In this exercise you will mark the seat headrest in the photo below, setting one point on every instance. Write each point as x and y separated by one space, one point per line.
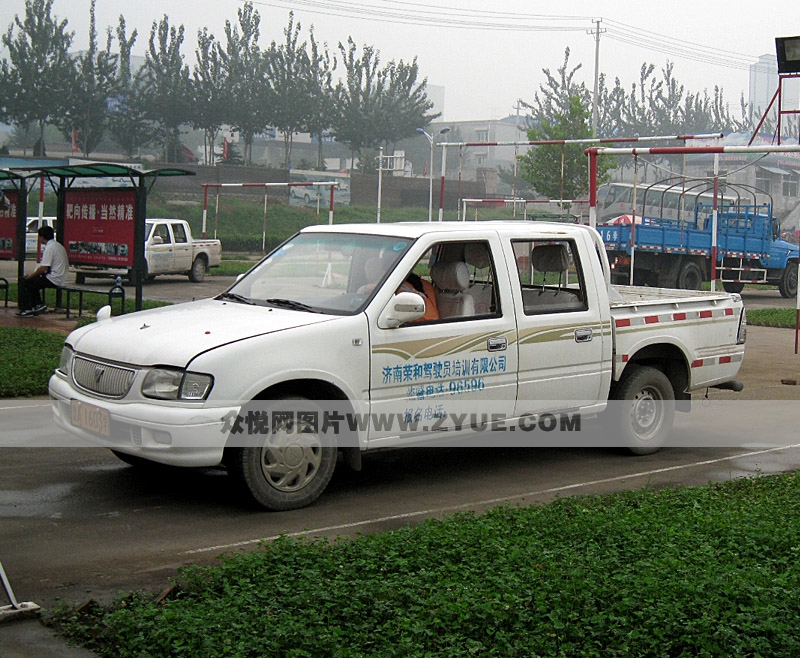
374 269
550 258
451 276
477 255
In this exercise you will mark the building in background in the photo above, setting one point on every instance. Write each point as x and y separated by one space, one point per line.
764 84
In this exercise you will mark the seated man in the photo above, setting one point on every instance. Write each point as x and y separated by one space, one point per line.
49 274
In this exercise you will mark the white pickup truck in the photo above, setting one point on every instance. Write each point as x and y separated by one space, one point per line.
169 249
324 348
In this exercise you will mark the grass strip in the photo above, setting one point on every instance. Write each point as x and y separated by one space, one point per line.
707 571
37 355
772 317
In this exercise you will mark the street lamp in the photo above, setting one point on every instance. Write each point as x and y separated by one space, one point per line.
430 139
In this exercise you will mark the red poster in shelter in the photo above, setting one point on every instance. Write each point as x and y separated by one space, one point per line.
99 226
8 223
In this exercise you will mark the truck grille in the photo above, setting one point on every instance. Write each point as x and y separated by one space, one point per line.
102 378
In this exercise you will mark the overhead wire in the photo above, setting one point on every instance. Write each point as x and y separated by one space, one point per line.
429 15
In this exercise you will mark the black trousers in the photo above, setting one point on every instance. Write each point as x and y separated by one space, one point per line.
30 289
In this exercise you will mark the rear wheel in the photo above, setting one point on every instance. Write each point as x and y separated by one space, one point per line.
198 272
290 465
643 409
788 283
690 277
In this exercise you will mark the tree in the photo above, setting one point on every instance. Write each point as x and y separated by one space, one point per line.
378 106
128 124
39 73
210 91
357 98
87 109
289 72
246 78
166 86
561 111
404 105
320 93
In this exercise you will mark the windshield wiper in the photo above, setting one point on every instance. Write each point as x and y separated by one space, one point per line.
291 304
236 297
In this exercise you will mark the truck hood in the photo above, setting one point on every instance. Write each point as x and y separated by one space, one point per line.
174 335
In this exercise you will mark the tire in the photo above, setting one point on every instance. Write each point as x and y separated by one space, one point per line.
787 286
198 272
643 409
291 465
690 276
733 286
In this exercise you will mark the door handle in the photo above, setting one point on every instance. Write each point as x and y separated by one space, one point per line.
583 335
497 344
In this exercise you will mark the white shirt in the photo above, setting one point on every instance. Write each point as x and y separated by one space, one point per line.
55 258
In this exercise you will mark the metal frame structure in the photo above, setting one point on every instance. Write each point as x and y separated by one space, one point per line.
594 152
557 142
330 184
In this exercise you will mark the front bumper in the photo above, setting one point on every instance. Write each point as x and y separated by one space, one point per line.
179 434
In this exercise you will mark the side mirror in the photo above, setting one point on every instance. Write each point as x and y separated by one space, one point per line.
402 307
157 239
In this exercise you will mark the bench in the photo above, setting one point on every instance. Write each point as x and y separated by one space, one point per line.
114 292
4 286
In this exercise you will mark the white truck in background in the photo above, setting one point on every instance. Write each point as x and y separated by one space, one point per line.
325 330
169 249
32 233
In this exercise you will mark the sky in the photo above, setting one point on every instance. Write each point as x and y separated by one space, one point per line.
488 59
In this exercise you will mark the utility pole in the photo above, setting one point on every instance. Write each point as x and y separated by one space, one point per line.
595 112
516 160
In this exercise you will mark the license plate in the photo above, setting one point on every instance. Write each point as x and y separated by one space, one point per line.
91 418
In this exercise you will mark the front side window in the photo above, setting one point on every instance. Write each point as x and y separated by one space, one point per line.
549 276
457 281
161 231
321 273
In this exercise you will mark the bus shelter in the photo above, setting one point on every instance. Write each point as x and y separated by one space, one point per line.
101 209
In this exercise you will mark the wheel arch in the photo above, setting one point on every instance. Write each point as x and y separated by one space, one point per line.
669 358
318 390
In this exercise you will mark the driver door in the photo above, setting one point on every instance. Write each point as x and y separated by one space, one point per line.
455 372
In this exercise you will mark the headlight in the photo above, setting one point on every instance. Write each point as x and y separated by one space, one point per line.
65 363
168 384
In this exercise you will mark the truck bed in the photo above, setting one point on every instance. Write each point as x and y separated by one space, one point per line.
621 296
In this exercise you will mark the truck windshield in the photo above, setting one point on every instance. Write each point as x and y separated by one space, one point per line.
332 273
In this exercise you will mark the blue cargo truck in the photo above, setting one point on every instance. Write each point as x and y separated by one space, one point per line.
676 252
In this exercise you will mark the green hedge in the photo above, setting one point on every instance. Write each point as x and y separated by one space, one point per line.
709 571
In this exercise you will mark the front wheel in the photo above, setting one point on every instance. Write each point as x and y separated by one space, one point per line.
643 409
290 465
198 272
787 286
